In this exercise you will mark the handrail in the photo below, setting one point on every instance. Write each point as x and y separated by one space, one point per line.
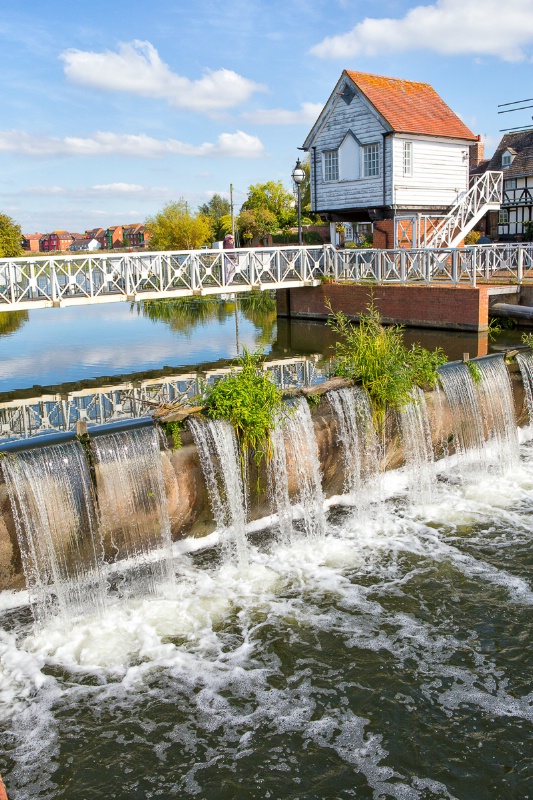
486 190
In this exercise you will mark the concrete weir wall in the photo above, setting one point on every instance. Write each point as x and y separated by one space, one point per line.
186 491
450 307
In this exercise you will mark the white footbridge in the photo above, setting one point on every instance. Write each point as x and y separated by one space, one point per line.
66 280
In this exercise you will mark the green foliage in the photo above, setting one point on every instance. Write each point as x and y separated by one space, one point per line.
474 371
313 237
528 231
251 402
313 400
273 197
176 228
495 327
258 221
10 238
218 210
472 237
173 429
376 357
527 339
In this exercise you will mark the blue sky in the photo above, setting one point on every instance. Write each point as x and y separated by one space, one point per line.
111 109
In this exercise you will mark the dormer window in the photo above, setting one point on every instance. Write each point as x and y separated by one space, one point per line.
507 158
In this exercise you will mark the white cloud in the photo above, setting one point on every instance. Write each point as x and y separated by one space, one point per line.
119 188
101 143
307 115
138 69
449 27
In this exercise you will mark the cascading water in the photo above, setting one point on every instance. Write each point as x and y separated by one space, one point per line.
465 414
497 406
418 448
279 482
303 467
525 362
220 459
482 413
360 447
133 509
57 529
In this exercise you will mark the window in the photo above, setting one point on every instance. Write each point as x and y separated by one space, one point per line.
370 160
331 165
407 158
507 159
511 184
503 217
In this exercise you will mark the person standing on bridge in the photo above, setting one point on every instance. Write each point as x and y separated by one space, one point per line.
230 261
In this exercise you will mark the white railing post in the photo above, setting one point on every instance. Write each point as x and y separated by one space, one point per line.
520 264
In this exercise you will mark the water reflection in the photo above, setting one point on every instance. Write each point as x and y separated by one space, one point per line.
11 321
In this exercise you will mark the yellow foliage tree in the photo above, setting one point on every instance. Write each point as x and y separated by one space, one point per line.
175 227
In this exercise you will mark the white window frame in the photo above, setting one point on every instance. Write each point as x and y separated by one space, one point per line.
371 160
503 216
509 184
507 159
408 159
331 165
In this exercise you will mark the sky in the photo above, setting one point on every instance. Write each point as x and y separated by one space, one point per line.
111 109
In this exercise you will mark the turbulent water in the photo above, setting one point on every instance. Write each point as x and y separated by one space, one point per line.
387 658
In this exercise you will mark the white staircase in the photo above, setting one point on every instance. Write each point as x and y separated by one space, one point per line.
484 195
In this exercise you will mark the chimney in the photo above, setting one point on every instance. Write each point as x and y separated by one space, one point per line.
477 152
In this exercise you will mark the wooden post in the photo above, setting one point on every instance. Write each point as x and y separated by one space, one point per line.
81 430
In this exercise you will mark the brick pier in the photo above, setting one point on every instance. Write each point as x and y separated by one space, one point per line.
449 307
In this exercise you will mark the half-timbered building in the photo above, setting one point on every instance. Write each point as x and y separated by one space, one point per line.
388 151
514 156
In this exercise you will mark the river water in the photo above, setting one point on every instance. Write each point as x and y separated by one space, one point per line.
388 657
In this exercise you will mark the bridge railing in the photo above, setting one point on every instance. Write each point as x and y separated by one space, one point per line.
70 279
67 280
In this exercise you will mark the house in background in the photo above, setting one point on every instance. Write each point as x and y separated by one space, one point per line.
114 237
514 157
391 152
56 241
30 242
98 234
133 235
85 244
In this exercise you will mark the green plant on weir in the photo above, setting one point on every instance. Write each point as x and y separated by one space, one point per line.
251 402
376 357
495 327
173 429
474 371
527 339
313 399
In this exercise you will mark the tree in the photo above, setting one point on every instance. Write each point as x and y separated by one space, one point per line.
305 193
176 228
218 210
256 222
273 197
10 238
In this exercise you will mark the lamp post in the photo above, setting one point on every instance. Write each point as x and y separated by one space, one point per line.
298 176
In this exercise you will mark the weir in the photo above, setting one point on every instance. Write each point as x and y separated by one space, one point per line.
94 524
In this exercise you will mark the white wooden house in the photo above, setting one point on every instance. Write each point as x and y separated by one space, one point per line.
391 152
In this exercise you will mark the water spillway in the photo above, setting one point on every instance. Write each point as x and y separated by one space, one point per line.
372 648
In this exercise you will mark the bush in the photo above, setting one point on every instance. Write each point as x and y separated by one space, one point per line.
251 402
313 237
375 357
472 237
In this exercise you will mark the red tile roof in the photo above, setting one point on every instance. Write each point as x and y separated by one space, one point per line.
410 106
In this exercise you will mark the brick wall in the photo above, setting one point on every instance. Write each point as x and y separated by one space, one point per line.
461 308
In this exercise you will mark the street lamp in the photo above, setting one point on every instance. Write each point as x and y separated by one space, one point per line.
298 176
